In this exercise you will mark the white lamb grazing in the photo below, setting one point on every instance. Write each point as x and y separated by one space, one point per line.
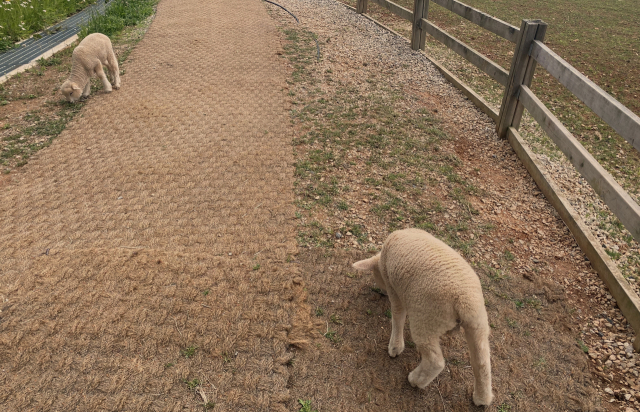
427 280
88 58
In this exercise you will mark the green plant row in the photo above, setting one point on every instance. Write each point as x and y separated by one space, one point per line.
118 15
19 19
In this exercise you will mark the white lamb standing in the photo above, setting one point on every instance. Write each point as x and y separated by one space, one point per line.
427 280
88 58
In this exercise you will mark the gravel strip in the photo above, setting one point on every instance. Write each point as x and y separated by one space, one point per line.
613 237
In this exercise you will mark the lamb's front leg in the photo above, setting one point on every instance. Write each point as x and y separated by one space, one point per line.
87 89
398 316
105 82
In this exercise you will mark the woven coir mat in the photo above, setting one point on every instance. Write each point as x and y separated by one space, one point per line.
146 255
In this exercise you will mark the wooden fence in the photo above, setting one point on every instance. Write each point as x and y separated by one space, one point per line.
529 51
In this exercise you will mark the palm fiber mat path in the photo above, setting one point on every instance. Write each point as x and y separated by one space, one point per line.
144 253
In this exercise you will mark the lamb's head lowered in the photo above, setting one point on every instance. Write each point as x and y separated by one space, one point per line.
71 91
373 264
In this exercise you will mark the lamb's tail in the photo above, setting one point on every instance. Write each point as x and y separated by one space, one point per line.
477 335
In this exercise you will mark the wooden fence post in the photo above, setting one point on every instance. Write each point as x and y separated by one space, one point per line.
362 6
419 35
521 73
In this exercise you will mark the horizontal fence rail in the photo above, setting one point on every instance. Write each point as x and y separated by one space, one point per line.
494 25
492 69
619 201
621 119
471 95
395 9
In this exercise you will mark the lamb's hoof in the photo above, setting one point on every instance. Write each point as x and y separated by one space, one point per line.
108 90
117 87
481 400
413 380
396 350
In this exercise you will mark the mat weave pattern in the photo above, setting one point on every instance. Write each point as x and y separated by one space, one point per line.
139 231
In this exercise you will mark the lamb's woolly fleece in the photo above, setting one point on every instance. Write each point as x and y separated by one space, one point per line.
88 58
432 284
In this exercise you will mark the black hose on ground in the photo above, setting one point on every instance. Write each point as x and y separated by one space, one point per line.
297 21
276 4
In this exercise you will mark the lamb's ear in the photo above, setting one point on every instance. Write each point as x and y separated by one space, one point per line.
75 87
367 264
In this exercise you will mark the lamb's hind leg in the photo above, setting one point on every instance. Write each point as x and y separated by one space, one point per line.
398 316
431 365
103 77
478 341
114 69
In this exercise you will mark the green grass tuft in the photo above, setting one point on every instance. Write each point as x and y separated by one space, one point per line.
118 15
189 352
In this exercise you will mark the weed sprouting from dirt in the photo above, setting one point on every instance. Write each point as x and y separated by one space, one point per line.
540 363
52 61
305 406
189 352
504 407
509 256
582 346
332 336
192 384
